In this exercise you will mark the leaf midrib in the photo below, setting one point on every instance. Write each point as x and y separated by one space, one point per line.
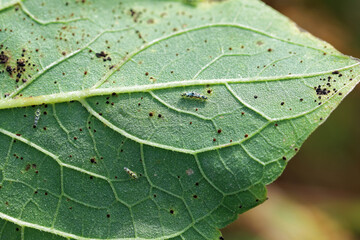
91 92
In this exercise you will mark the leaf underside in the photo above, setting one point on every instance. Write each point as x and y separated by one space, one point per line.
107 77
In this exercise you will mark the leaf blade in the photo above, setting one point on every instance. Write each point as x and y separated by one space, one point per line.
199 163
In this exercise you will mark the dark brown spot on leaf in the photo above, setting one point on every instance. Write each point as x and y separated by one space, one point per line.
3 58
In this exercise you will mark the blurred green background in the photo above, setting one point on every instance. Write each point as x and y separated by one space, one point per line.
318 195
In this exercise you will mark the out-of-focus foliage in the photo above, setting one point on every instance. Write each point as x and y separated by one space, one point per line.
284 218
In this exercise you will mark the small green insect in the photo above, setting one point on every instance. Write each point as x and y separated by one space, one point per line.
194 95
37 117
131 173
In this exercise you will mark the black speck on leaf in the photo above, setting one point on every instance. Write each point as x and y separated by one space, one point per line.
20 62
101 54
3 58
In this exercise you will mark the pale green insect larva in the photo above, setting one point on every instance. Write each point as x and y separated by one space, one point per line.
131 173
37 117
194 95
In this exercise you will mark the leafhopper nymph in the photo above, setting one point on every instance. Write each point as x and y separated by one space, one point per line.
37 117
194 95
131 173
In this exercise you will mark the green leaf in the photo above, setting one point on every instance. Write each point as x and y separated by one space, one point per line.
107 78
